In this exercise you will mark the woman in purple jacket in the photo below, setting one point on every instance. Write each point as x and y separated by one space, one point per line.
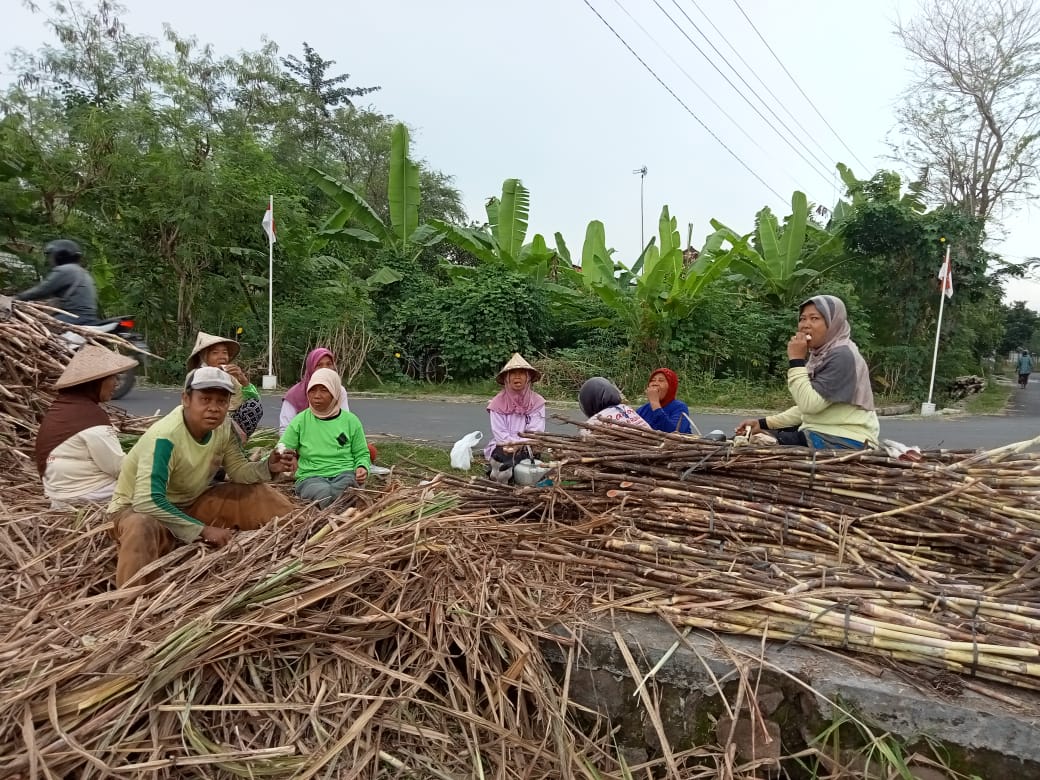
516 408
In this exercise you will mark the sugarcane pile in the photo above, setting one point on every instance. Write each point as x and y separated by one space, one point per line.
936 562
33 353
401 639
404 637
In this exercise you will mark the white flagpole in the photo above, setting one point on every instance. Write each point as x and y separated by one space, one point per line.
938 327
270 296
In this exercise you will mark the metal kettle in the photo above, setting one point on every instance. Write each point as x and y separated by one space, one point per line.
529 472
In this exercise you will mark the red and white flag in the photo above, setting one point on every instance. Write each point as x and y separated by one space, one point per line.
946 278
268 223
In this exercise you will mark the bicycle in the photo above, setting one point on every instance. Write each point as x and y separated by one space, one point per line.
428 368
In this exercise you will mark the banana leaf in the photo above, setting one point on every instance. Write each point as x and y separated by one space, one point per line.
491 206
793 237
352 204
403 193
383 276
353 234
512 217
476 242
561 248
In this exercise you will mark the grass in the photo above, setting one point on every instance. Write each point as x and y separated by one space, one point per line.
992 400
411 455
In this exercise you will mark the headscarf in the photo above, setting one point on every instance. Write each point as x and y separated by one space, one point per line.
329 379
596 395
837 387
673 384
509 401
297 394
75 409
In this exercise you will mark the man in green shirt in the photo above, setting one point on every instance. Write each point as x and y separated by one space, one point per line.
164 492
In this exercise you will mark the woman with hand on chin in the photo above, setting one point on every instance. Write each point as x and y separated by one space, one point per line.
662 410
246 409
829 382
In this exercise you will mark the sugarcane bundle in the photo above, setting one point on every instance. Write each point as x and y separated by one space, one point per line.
33 354
402 638
405 636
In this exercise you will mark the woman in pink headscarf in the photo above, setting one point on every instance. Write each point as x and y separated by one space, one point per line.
295 400
516 408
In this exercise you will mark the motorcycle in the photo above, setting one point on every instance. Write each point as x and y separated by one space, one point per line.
117 326
124 328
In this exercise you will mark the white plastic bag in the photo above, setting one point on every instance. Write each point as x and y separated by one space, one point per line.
461 457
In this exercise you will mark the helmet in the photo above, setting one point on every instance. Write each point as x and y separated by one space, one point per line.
63 251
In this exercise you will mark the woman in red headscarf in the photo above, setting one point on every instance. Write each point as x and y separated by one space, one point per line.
662 410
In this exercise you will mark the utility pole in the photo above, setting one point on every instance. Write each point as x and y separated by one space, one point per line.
642 221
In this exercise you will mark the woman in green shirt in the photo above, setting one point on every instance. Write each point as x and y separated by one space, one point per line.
330 442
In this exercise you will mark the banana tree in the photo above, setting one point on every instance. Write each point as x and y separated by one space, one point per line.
356 222
502 242
652 297
784 263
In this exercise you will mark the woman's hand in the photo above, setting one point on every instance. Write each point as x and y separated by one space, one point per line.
748 427
798 346
237 373
360 475
653 395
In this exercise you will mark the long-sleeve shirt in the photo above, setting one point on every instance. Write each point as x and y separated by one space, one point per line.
1024 364
327 447
241 393
85 463
813 412
672 417
73 287
289 411
507 428
168 469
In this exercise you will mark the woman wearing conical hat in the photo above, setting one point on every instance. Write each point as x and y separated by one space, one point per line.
246 409
517 408
77 452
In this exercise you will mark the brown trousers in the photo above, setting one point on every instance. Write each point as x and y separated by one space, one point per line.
142 539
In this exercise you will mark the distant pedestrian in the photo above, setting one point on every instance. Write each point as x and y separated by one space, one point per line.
1024 366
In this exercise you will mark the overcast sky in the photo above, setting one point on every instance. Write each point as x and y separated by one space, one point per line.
543 91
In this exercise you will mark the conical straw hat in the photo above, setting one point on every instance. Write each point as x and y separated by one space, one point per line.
517 361
90 363
206 340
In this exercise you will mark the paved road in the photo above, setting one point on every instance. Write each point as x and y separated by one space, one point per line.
443 422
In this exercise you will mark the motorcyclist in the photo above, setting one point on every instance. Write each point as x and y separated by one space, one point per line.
68 282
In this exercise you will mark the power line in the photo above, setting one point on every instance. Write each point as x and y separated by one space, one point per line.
740 126
799 87
681 103
784 138
753 72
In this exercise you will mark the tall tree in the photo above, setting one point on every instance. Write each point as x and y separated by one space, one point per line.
310 74
972 118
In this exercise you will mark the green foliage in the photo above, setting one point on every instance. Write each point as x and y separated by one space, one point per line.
897 247
475 323
660 290
784 263
1021 329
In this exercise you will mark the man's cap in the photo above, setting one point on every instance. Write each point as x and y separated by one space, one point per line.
209 378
